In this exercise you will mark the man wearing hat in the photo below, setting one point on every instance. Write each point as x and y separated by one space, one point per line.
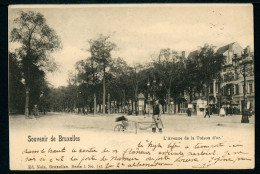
207 111
157 116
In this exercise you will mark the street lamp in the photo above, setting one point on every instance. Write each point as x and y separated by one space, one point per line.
27 91
42 105
240 65
154 88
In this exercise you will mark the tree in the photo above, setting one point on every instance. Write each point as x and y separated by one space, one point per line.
164 67
119 81
16 97
89 78
135 77
100 50
207 66
37 40
169 69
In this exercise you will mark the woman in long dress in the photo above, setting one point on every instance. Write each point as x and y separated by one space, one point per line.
222 112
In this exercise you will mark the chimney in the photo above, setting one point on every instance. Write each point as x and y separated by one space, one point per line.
248 49
183 54
199 49
214 48
230 49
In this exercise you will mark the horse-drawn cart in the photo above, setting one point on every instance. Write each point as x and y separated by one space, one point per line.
123 126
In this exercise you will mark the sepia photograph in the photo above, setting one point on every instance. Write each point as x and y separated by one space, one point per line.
131 86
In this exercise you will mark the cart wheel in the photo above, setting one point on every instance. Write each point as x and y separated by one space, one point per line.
119 128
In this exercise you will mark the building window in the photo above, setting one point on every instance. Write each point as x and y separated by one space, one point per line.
232 89
211 88
237 89
224 90
235 76
250 88
217 88
250 105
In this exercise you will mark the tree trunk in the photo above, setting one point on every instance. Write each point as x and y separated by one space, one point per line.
207 93
136 99
27 79
132 106
108 102
136 111
124 101
27 102
120 106
104 92
117 106
114 108
175 106
95 104
168 100
190 93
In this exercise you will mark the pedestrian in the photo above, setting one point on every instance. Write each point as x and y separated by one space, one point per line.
189 112
86 110
222 112
81 110
228 111
35 110
157 117
217 110
207 112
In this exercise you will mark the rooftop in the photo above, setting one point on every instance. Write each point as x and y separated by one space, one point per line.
223 49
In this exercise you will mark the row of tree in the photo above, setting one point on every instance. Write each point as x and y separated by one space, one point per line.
99 79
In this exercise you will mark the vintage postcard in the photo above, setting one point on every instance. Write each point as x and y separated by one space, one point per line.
136 86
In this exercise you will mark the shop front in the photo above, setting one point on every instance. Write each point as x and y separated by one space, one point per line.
199 107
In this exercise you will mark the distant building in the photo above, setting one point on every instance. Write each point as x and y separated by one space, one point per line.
229 50
228 92
232 84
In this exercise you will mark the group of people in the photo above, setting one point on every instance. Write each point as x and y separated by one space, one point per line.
35 111
81 110
222 111
229 111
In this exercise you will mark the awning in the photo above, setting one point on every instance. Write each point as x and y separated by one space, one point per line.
182 99
230 103
233 103
194 102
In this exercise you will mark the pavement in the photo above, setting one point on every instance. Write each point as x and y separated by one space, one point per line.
105 123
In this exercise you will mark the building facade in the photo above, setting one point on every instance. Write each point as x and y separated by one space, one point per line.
228 91
232 82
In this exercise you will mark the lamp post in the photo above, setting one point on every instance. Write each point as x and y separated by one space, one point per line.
42 105
64 105
78 99
27 102
27 91
240 65
153 88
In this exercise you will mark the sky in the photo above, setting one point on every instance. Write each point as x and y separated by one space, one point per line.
140 31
